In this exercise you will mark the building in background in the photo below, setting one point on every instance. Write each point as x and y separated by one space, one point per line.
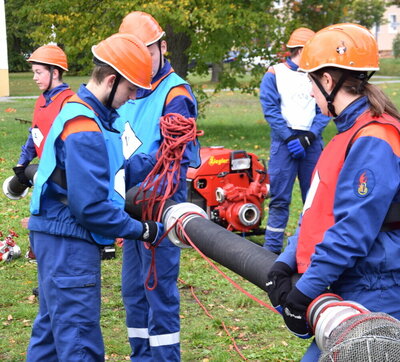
386 32
4 79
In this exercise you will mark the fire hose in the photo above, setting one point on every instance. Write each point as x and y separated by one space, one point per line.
344 330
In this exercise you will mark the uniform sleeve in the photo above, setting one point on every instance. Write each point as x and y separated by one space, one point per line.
367 185
28 151
87 172
138 167
271 106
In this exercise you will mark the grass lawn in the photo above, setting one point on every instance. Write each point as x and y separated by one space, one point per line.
232 120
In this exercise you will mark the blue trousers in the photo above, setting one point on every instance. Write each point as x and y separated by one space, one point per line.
67 326
152 316
283 170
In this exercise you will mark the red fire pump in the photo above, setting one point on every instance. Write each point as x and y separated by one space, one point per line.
231 187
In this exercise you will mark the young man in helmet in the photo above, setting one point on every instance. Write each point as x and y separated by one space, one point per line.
346 241
48 65
78 203
152 316
296 127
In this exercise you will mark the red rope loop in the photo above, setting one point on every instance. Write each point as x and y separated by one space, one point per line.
163 181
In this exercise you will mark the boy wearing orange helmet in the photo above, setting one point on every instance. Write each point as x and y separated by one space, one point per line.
296 127
348 240
78 203
152 316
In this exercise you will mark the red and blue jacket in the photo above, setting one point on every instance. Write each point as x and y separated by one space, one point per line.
352 252
47 107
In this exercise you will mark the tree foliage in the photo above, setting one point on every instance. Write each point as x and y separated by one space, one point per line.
316 14
199 33
19 25
367 12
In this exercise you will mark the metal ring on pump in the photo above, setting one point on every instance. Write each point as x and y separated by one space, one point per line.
249 214
173 213
11 195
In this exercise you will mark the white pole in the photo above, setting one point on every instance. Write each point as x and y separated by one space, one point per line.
4 79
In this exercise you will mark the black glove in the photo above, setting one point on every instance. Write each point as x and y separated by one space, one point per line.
306 139
20 173
279 284
294 313
152 232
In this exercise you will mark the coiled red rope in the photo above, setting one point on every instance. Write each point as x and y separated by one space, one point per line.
163 181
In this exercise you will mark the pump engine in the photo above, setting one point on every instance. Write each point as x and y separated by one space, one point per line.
231 187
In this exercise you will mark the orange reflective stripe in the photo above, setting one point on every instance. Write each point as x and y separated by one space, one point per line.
385 132
79 124
155 84
178 91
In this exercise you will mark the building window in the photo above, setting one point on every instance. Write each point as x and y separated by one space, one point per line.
392 23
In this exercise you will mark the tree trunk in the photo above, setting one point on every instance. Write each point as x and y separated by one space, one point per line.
216 70
178 43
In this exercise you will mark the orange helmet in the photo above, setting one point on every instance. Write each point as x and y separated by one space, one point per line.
128 56
299 37
51 55
346 46
143 25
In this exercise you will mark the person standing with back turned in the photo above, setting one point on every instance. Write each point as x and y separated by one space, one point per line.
78 203
347 240
152 316
296 127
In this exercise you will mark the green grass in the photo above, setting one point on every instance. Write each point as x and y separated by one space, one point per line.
233 120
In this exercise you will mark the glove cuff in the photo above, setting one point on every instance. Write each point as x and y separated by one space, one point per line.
149 231
282 268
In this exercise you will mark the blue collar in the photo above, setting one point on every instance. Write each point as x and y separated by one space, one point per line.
349 115
291 64
49 94
141 93
106 115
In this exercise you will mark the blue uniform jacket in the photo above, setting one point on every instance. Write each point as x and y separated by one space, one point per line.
271 105
181 104
354 254
83 156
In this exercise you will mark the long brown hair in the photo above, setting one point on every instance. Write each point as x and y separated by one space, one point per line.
356 83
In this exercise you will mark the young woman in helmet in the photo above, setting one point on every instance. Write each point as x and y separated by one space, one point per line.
345 241
48 65
152 316
78 202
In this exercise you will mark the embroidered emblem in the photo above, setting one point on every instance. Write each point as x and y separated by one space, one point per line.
364 183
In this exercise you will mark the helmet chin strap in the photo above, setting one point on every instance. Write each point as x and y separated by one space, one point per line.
330 97
51 78
113 90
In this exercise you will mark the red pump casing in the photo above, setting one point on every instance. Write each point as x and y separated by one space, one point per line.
232 196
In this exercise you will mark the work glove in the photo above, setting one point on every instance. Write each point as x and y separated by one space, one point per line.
152 232
20 173
294 313
279 284
298 144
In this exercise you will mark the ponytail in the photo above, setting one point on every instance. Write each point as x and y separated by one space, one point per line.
356 83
